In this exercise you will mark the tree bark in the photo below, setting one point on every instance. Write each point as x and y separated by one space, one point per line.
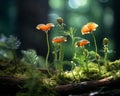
87 86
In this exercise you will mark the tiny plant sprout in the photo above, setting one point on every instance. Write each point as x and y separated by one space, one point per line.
105 44
105 41
71 33
85 53
46 28
60 22
97 59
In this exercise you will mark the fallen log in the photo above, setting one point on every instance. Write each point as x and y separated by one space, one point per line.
86 86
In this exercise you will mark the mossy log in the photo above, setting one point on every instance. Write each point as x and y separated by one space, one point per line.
87 86
10 85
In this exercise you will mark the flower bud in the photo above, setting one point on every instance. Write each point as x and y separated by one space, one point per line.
105 50
97 56
105 41
85 52
60 20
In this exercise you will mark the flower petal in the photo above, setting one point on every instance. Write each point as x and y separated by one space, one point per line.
88 28
85 30
44 27
59 39
92 26
82 43
39 26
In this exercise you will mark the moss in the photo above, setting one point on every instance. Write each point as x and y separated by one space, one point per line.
93 73
62 79
7 67
35 87
40 83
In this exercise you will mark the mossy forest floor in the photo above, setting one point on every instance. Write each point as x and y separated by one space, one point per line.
27 80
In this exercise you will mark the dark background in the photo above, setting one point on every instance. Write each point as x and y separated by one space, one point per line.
20 17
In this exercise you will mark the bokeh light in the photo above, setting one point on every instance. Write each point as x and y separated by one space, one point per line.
77 3
53 16
58 4
108 18
77 20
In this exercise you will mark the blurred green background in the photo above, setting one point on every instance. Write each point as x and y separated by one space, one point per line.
20 17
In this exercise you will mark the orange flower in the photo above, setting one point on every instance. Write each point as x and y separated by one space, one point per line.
88 28
59 39
44 27
82 43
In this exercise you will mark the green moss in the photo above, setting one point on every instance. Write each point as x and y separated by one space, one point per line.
40 83
93 73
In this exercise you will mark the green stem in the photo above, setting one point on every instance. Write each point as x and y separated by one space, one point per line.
62 27
73 49
48 52
61 56
55 58
94 42
99 68
73 55
72 70
106 61
61 53
86 66
85 53
96 50
55 54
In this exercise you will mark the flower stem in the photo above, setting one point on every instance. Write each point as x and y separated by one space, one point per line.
73 49
48 52
99 68
96 50
105 58
61 53
94 42
55 55
72 70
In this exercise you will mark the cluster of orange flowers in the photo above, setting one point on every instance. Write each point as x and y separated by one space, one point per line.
86 29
